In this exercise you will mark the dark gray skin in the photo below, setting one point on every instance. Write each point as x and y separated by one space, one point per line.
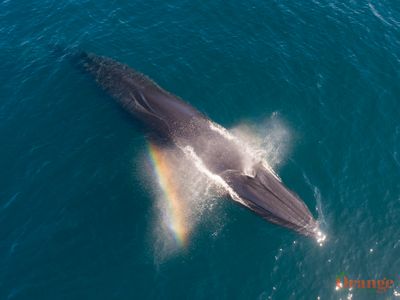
176 122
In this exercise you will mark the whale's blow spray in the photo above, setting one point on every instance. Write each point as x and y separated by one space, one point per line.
183 195
270 140
176 212
185 192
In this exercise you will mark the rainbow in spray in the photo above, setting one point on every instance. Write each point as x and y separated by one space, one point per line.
175 205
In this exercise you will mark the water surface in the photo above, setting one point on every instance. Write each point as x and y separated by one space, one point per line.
78 197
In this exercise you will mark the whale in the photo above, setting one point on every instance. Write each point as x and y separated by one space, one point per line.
218 153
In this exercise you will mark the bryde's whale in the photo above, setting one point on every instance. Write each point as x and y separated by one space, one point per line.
216 152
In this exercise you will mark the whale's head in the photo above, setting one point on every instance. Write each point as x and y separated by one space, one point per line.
265 194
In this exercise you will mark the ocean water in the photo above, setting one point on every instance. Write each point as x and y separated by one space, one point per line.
83 211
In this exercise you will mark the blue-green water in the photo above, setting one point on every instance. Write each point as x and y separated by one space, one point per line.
77 202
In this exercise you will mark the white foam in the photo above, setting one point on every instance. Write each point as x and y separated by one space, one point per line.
250 144
218 180
221 130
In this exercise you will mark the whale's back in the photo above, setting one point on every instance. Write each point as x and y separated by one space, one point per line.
139 95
